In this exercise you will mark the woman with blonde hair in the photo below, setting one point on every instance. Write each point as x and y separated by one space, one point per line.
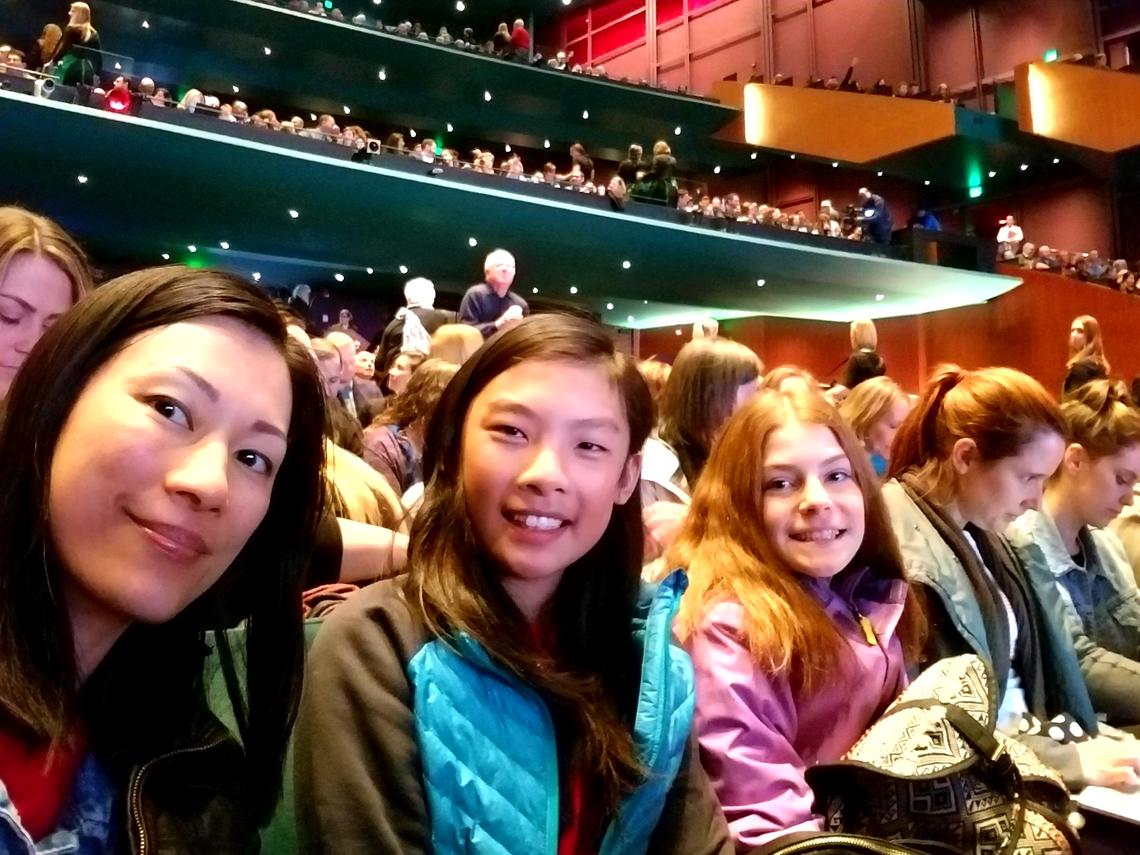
875 410
455 343
43 273
79 57
798 616
864 361
1086 354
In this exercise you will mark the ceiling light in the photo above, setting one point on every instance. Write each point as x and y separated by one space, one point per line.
369 270
585 114
347 111
192 247
992 174
507 148
382 74
573 289
880 173
753 155
166 256
376 2
472 242
630 319
760 283
792 156
82 179
646 302
626 264
256 276
926 183
486 94
236 89
267 50
1056 160
677 331
339 277
834 163
294 213
312 117
450 128
677 131
224 244
534 290
460 5
404 269
412 132
880 297
1024 166
146 24
716 170
566 2
118 66
610 306
546 143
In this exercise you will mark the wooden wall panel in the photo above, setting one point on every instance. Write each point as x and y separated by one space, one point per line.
1026 329
872 30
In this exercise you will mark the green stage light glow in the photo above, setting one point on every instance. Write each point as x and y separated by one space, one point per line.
975 192
1052 54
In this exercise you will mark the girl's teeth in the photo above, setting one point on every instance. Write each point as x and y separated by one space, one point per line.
545 523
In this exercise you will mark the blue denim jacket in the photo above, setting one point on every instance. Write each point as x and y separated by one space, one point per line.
86 827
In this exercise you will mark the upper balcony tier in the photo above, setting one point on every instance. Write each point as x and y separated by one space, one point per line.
299 210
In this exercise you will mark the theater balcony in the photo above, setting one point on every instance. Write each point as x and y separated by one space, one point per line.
167 185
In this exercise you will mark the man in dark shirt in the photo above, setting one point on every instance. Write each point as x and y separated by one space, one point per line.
876 218
491 306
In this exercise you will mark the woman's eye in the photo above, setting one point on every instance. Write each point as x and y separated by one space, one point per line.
170 409
839 476
256 461
778 484
507 430
591 446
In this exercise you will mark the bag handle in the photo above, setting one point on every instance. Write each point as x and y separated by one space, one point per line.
996 757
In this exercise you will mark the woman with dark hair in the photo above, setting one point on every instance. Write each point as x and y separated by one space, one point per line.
162 479
518 691
1087 361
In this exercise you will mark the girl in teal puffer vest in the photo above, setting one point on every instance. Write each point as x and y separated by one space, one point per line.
518 691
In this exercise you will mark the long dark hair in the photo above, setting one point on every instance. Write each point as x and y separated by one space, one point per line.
591 681
146 691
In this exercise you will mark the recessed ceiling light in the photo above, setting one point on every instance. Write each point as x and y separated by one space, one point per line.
610 306
486 94
450 128
312 117
677 131
146 24
192 247
792 156
412 132
753 155
369 270
294 213
926 182
236 89
880 173
646 302
118 66
382 74
677 331
256 276
460 5
224 244
404 269
1024 166
347 111
166 256
880 297
1056 160
507 148
760 283
339 277
834 163
566 2
716 170
472 242
82 179
376 2
992 174
585 114
630 319
573 289
534 290
546 143
267 50
625 264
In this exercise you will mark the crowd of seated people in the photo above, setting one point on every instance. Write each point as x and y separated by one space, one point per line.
905 89
1085 266
637 604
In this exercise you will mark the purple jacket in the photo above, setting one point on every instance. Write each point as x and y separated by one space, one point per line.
757 738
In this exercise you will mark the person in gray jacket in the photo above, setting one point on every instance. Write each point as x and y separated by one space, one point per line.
972 456
1083 559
